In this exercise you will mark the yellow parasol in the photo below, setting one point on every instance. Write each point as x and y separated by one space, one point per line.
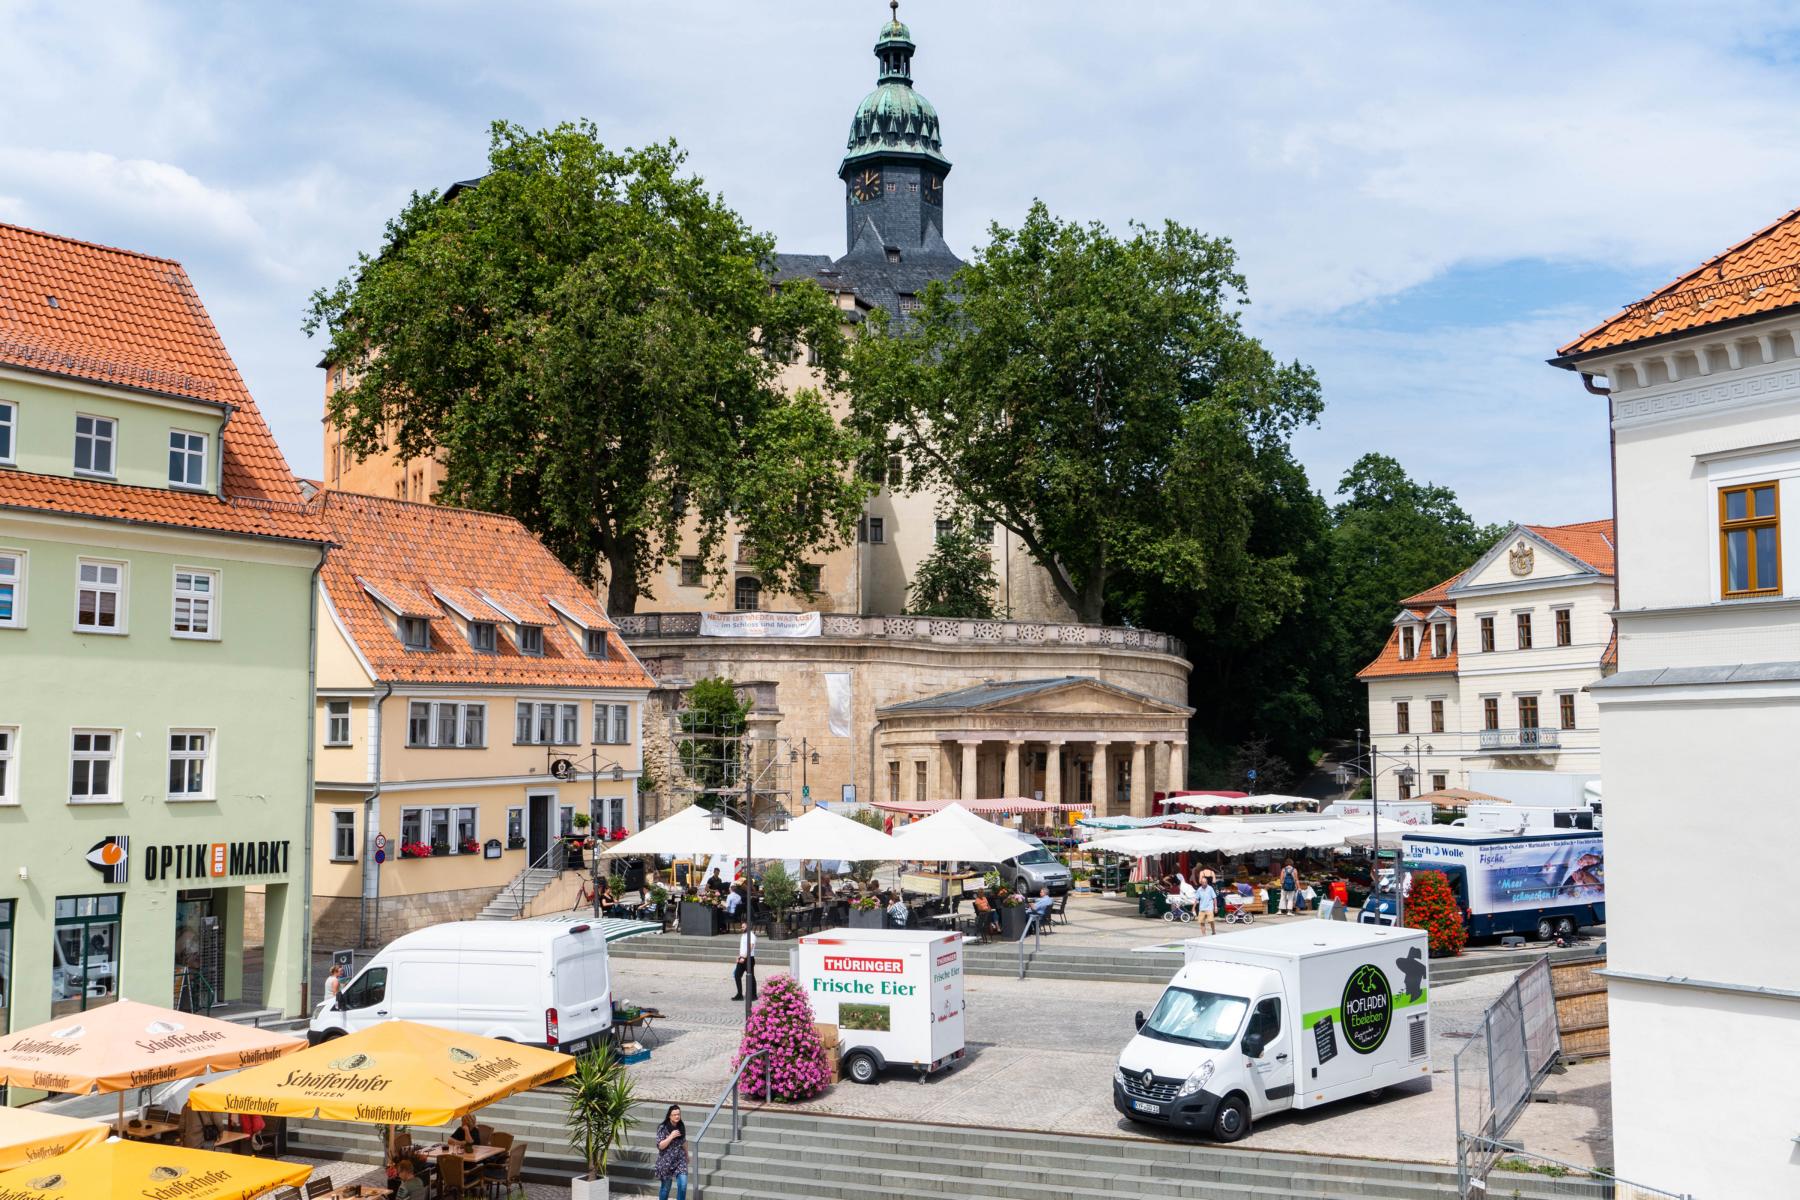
127 1045
30 1136
393 1073
147 1171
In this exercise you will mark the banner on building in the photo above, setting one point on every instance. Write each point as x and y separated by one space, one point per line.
759 625
837 702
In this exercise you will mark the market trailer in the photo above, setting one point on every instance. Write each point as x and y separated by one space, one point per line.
896 996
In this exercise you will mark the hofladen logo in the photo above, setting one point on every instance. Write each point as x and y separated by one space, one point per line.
1368 1008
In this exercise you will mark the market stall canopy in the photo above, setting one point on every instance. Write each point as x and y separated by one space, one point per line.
954 834
992 804
134 1170
30 1136
613 929
823 834
688 832
1227 800
1459 798
127 1045
392 1073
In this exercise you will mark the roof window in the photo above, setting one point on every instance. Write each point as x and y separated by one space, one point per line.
415 633
52 301
531 639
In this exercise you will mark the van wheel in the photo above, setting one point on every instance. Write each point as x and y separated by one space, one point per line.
860 1068
1546 929
1232 1121
1565 927
330 1035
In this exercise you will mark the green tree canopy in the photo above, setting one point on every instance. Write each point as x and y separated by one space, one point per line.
957 578
1094 394
590 342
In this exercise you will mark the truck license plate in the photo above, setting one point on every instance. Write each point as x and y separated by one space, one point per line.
1146 1106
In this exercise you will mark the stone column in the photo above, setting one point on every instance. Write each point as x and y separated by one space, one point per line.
1161 758
1178 766
1010 785
1053 773
1140 793
968 769
1102 785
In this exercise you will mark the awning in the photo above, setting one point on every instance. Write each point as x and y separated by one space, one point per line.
127 1045
689 832
823 834
998 804
955 834
1459 798
134 1170
1233 800
29 1136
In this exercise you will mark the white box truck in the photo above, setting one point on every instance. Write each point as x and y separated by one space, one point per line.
1273 1018
896 996
1403 812
1548 882
542 982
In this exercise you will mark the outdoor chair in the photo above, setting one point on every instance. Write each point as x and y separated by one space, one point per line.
502 1140
487 1133
1059 912
452 1181
506 1174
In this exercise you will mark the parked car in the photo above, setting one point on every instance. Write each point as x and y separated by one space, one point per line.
1034 869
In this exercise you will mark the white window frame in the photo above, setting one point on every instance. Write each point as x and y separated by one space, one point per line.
435 712
121 610
111 441
337 827
111 758
427 815
524 722
510 810
19 580
9 420
568 725
187 453
210 600
332 717
612 724
9 765
205 758
456 812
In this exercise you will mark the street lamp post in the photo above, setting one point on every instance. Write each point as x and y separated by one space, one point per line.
802 755
564 769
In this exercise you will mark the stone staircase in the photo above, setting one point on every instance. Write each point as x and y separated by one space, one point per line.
510 902
785 1154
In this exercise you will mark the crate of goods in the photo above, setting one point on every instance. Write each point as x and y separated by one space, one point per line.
634 1052
832 1074
828 1033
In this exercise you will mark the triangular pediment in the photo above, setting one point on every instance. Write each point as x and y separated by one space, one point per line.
1069 694
1522 558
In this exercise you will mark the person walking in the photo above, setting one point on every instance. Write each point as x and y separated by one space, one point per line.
1290 886
671 1155
746 964
334 982
1206 900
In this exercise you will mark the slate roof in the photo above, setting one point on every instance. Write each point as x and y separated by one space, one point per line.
1757 277
133 321
992 692
430 560
868 273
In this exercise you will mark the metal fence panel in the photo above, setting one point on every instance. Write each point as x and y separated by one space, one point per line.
1502 1065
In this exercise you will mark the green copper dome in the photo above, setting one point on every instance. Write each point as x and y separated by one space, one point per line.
894 119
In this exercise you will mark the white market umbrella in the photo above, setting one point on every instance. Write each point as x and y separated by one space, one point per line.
954 834
1271 800
689 832
824 835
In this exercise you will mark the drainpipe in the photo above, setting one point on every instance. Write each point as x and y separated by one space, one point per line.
870 799
1612 462
219 491
312 725
371 880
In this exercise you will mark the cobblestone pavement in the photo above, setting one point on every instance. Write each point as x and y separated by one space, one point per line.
1042 1054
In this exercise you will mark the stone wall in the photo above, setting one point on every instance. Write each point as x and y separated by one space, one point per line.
337 919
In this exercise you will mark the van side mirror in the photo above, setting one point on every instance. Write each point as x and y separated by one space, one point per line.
1254 1043
1138 1018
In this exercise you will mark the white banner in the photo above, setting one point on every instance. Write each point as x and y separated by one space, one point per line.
837 702
759 625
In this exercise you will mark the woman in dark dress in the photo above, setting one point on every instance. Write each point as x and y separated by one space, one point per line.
671 1155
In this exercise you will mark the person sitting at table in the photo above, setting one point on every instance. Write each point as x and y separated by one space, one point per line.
734 902
986 919
1041 905
406 1183
896 910
608 901
467 1134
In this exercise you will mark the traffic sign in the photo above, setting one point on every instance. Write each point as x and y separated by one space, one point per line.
380 857
805 792
1252 774
380 842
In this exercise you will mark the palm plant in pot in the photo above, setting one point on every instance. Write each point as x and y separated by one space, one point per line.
779 893
601 1096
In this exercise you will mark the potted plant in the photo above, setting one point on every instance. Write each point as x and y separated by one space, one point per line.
414 850
1012 915
866 913
615 882
582 821
470 846
439 847
600 1098
515 841
779 894
700 915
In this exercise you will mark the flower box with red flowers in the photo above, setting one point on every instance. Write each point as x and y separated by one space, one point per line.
414 850
470 846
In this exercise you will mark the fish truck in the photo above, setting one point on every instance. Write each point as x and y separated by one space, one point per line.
1544 882
895 995
1274 1018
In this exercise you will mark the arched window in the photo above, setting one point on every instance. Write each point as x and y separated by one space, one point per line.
749 594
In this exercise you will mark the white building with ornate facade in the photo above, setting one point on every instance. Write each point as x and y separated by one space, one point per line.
1699 724
1487 670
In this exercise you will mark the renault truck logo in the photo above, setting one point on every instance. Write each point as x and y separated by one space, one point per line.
1147 1079
1368 1008
108 856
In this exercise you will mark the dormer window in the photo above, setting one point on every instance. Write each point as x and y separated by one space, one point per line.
531 639
415 633
1409 646
187 459
595 643
481 636
1440 640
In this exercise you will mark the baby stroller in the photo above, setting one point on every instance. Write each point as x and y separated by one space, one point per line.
1179 909
1240 906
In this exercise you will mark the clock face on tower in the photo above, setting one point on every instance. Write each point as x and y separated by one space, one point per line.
934 189
866 186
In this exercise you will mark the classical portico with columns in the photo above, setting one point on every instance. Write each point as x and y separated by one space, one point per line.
1070 739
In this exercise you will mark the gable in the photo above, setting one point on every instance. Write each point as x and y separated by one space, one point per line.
1520 558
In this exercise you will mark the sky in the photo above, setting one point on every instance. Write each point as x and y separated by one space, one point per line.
1427 199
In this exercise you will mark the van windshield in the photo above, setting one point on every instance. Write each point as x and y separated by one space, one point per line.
1033 858
1197 1018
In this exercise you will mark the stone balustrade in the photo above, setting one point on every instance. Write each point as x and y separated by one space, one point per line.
954 630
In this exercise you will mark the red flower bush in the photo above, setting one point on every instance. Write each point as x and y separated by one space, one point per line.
471 846
781 1023
414 850
1431 906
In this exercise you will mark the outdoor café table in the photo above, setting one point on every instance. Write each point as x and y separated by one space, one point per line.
356 1191
144 1131
474 1156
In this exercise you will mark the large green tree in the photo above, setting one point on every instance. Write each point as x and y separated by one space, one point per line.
1096 395
957 578
589 340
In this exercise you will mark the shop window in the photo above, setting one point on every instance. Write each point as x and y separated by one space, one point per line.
343 837
337 722
85 972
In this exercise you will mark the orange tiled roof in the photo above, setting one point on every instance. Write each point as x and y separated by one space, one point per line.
416 550
1434 595
1589 541
134 321
1758 276
1389 662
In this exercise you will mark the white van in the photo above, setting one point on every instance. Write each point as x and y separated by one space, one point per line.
544 982
1278 1017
